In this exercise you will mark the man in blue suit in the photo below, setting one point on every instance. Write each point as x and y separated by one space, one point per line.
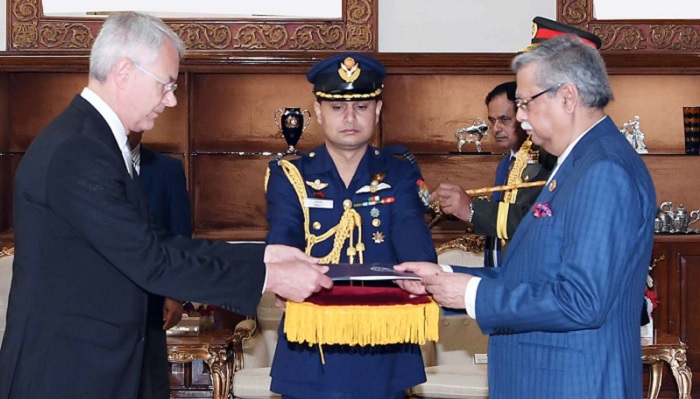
563 310
498 218
163 182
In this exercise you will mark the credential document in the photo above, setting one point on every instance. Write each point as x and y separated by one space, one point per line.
367 272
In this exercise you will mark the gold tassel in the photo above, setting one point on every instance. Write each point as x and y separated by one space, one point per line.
502 220
361 325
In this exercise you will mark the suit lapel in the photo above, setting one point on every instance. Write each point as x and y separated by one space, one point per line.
567 171
97 128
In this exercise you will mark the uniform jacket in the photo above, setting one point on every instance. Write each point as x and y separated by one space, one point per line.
85 258
163 181
563 311
486 212
393 231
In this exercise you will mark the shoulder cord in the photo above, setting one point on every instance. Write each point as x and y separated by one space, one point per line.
342 231
515 176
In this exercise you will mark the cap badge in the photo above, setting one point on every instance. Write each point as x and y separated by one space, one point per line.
534 30
349 70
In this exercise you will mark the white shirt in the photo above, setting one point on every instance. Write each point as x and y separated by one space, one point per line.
473 284
113 121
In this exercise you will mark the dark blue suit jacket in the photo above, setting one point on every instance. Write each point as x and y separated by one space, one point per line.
492 246
163 181
563 311
85 258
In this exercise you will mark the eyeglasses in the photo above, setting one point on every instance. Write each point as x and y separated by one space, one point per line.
505 120
523 103
167 87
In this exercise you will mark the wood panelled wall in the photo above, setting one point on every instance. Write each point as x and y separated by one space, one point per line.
223 127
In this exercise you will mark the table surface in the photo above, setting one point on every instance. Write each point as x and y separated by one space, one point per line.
662 340
211 337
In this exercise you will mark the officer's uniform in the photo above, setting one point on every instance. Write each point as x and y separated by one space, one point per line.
538 165
389 198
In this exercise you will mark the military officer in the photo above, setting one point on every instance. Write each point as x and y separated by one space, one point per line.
498 218
348 202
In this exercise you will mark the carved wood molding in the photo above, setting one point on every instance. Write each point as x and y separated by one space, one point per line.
31 31
469 243
650 36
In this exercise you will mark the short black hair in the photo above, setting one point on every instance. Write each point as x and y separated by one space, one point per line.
508 88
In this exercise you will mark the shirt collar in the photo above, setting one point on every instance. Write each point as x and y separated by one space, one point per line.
112 120
567 151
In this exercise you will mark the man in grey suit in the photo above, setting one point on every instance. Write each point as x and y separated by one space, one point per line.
86 256
562 312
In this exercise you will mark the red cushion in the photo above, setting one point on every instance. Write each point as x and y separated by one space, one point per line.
368 296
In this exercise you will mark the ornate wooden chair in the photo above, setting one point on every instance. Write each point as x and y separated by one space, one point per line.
456 364
254 345
463 251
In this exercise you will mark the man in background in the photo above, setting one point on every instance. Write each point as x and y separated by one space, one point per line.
562 313
86 254
524 162
163 181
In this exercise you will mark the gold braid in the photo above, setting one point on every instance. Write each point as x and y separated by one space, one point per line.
342 231
515 175
514 178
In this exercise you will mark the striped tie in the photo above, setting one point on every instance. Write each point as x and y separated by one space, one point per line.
136 159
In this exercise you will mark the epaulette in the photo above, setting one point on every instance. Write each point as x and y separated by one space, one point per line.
281 156
276 161
401 150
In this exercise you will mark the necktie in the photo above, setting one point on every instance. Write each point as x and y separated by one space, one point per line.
511 162
126 153
136 161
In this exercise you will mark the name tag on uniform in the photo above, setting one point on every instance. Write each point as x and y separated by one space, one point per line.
318 203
